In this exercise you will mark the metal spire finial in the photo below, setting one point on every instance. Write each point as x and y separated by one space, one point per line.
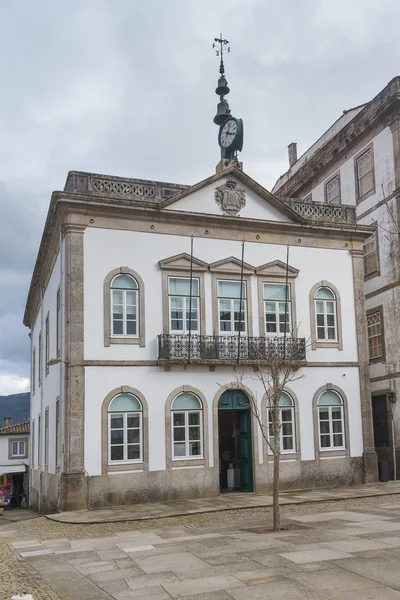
220 51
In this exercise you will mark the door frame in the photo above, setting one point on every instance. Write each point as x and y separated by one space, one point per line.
254 430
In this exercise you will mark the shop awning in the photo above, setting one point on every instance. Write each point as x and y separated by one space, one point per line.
9 469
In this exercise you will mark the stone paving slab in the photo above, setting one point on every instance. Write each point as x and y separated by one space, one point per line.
204 585
173 508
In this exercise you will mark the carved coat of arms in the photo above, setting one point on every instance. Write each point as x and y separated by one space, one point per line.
230 197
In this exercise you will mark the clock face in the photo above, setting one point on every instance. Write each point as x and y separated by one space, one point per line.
228 133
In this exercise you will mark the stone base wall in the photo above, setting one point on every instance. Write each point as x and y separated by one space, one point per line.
78 491
44 493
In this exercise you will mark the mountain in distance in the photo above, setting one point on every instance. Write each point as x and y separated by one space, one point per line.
15 406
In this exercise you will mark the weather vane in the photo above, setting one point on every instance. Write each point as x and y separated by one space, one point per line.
220 51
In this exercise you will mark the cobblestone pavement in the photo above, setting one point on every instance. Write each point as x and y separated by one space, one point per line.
346 550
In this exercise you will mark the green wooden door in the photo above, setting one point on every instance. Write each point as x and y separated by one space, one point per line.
246 455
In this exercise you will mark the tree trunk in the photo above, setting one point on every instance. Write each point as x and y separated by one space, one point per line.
275 494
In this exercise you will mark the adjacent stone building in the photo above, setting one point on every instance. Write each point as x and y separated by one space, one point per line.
356 162
142 310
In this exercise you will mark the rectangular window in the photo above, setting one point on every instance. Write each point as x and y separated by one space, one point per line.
365 174
58 433
183 306
46 439
287 430
187 434
18 449
58 324
39 442
47 343
33 370
332 190
375 338
331 434
232 307
33 444
277 308
370 256
124 306
125 435
40 359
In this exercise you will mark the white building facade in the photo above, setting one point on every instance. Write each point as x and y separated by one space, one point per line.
357 163
133 401
14 464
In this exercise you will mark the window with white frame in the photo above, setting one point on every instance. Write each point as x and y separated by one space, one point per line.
277 308
125 429
124 291
58 433
58 324
34 371
187 426
232 307
18 449
365 173
47 344
332 190
330 421
370 256
184 311
326 315
375 337
287 424
40 359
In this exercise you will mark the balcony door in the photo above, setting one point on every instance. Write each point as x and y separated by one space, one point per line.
235 442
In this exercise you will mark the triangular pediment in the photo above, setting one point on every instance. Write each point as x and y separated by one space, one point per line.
182 262
231 265
232 193
276 268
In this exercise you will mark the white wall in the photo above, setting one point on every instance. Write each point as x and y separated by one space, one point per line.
203 201
4 460
106 249
46 394
156 385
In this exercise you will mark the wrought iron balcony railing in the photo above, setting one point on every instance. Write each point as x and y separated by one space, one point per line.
231 348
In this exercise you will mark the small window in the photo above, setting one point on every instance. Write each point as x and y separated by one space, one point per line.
375 338
232 307
370 256
124 306
18 449
125 430
183 305
287 437
39 441
187 426
33 371
40 359
277 308
365 174
325 314
33 444
332 190
58 434
47 343
58 323
330 421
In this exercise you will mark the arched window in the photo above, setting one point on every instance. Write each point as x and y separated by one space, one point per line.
124 292
330 421
125 429
187 426
326 314
287 438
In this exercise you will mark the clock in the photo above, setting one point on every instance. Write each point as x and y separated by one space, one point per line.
230 136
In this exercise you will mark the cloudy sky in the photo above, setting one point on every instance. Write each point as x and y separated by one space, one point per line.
126 87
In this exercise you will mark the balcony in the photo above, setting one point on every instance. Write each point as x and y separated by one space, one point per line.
224 349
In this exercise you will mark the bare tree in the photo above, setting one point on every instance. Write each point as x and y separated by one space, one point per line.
276 363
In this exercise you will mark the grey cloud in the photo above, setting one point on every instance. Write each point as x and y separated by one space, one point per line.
127 88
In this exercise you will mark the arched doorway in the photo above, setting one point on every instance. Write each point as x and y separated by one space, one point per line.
235 442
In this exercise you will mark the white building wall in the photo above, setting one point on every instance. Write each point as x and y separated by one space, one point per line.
46 394
156 385
4 442
106 249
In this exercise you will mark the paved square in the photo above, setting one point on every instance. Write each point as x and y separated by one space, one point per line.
336 555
